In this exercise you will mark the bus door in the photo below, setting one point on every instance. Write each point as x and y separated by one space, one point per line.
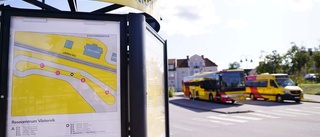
186 89
273 89
218 90
201 90
263 88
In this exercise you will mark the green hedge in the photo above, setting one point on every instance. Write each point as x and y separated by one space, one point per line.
313 89
171 91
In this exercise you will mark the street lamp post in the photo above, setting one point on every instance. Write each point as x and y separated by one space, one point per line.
246 57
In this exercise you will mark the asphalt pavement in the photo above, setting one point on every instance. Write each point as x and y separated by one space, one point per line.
226 108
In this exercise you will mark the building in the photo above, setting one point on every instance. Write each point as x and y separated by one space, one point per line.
179 68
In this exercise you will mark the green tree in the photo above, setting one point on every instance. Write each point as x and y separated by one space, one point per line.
316 59
293 62
301 58
234 65
274 61
286 64
264 67
288 59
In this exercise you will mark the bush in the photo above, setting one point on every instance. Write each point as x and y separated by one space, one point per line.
318 79
171 91
312 89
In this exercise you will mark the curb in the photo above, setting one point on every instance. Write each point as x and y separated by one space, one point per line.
310 101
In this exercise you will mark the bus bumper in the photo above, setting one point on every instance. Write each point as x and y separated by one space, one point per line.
233 97
292 97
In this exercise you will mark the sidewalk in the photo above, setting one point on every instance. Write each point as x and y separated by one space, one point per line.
224 108
311 98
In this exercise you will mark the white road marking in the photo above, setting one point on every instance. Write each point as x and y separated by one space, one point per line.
212 121
248 118
312 109
227 119
180 127
304 111
262 115
274 113
290 112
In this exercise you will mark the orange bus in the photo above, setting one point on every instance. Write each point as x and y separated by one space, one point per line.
222 86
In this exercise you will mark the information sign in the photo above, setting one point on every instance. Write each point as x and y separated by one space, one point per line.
64 77
155 80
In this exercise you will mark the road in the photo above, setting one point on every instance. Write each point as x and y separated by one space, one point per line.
266 119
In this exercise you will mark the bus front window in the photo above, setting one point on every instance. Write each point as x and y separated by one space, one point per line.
285 82
233 80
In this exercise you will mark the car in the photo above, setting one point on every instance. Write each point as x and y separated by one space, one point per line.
310 77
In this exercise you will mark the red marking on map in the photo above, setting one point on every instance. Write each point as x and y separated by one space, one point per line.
57 72
83 80
107 92
41 65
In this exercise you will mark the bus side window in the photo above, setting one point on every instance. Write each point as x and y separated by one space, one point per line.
202 84
249 83
215 85
263 83
273 84
208 85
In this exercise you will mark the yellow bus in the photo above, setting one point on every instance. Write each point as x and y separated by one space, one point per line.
222 86
274 87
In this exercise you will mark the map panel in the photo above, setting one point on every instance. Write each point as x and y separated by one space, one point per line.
61 83
62 74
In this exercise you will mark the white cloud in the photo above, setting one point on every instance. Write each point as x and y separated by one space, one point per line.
187 17
237 24
240 2
296 5
249 1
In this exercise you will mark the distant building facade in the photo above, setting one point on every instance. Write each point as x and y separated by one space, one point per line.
179 68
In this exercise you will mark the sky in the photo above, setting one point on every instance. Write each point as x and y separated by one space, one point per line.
227 31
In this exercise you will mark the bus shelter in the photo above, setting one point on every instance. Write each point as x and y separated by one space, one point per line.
71 73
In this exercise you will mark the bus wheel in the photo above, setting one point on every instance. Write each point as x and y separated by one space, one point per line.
210 98
297 101
232 102
252 97
279 99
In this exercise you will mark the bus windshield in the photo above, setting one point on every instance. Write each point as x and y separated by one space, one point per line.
285 82
233 81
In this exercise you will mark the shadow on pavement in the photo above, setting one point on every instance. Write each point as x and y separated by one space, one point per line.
226 108
206 106
267 103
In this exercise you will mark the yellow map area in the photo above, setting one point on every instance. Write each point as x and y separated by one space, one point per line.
41 95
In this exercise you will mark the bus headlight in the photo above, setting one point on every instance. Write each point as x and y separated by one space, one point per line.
224 96
286 92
